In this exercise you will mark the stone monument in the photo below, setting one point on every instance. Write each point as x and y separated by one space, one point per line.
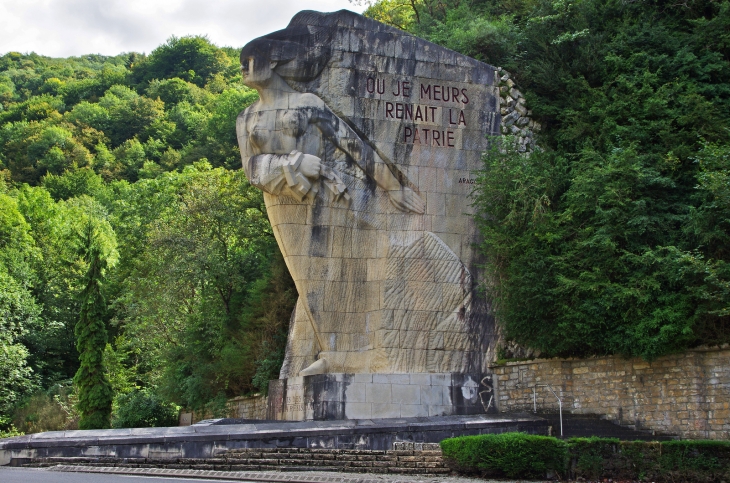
365 141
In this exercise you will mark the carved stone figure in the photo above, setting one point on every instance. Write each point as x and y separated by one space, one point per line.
364 141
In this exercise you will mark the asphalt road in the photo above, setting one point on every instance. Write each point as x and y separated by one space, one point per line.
31 475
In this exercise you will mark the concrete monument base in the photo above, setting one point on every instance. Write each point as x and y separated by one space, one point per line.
323 397
188 445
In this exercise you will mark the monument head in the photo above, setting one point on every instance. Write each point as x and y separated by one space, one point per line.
296 54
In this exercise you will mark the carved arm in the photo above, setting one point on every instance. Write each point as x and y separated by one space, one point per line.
344 137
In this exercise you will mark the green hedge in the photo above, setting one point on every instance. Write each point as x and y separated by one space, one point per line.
518 455
514 455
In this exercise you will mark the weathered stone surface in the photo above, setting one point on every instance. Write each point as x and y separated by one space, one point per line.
364 141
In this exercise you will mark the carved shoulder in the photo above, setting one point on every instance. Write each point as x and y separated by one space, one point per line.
243 116
305 100
243 122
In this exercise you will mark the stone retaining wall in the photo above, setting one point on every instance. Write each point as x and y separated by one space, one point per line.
421 462
685 394
253 407
242 407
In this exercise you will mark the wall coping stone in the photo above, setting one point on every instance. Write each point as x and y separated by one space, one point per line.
720 348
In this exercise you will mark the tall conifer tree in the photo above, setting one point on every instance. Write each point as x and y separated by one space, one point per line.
95 392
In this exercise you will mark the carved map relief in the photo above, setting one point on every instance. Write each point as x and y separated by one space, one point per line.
365 141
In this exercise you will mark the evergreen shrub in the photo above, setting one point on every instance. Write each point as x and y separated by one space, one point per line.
518 455
670 461
514 455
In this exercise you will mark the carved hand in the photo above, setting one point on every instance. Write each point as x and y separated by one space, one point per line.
405 199
311 166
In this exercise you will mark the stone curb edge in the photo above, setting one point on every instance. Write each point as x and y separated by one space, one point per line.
216 475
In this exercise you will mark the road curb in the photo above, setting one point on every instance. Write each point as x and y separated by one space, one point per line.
223 475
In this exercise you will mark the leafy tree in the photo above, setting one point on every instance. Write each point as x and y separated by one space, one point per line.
221 132
130 157
34 109
73 183
189 298
173 91
192 59
7 90
74 91
93 115
398 13
18 309
190 124
268 309
131 115
55 270
33 149
78 110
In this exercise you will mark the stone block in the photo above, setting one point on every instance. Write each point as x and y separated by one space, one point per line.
413 410
420 379
358 410
356 393
432 395
440 379
385 410
399 379
386 338
405 394
378 393
446 395
362 378
440 410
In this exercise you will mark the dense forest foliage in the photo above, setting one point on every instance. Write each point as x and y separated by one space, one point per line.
614 237
124 216
130 240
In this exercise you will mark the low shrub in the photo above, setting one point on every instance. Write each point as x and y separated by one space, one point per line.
144 409
514 455
10 432
52 410
518 455
668 461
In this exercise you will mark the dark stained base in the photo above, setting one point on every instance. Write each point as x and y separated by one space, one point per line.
588 425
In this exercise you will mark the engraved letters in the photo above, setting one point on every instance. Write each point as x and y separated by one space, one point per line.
415 134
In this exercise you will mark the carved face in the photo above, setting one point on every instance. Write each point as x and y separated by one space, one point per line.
257 72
